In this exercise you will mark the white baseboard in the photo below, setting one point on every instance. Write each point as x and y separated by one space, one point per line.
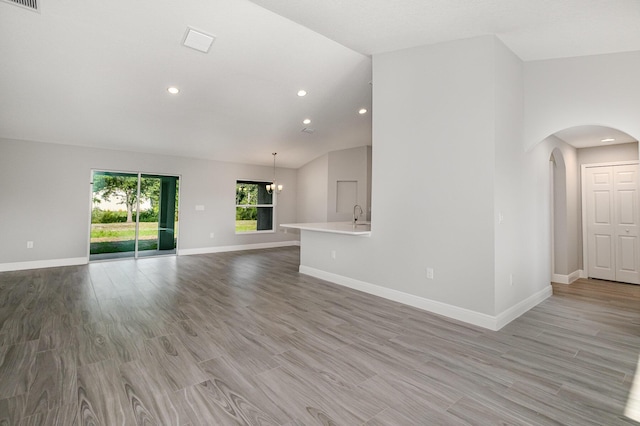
568 279
220 249
52 263
520 308
494 323
37 264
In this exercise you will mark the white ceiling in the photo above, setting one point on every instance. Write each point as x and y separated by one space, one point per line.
95 73
590 136
533 29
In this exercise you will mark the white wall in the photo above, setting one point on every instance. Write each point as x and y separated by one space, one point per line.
313 180
348 165
45 197
434 171
369 179
574 209
513 283
433 179
567 250
608 153
317 184
559 213
590 90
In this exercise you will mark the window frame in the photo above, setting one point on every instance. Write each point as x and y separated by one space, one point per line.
272 206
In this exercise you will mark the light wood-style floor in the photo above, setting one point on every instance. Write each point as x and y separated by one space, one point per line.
242 338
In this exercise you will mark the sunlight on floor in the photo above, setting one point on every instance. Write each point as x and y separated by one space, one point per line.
632 410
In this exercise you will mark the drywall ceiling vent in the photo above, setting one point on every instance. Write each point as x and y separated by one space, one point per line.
33 5
308 130
198 40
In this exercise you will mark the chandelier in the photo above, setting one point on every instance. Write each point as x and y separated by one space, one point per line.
273 186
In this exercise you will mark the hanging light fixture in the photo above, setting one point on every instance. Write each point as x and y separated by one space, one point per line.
274 187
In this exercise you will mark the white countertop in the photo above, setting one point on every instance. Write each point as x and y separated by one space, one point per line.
347 228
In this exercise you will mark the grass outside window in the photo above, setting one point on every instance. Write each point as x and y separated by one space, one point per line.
120 237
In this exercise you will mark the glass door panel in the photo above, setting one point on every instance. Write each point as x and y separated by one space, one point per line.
113 214
158 225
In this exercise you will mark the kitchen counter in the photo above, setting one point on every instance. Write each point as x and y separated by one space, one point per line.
362 229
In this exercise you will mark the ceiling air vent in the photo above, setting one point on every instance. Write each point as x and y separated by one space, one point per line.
198 40
33 5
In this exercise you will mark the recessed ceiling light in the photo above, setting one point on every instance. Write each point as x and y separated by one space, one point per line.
173 90
362 111
302 93
306 121
607 140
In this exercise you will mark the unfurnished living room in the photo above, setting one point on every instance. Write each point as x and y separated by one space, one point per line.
277 212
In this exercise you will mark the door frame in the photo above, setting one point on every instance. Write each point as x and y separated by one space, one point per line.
583 190
139 174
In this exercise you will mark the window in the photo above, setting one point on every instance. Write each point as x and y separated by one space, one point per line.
254 207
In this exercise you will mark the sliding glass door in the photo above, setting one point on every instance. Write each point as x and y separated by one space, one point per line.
133 215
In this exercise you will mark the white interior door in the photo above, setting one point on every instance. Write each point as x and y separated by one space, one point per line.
626 222
612 223
600 229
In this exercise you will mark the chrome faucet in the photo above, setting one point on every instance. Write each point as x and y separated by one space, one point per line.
355 217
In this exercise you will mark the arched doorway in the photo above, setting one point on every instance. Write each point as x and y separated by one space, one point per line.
568 150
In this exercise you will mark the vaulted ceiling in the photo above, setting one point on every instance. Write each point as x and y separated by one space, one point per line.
91 73
533 29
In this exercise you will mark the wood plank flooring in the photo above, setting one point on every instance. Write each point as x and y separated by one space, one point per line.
243 339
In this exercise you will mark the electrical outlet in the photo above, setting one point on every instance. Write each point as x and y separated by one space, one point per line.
429 273
510 279
333 254
211 235
29 244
